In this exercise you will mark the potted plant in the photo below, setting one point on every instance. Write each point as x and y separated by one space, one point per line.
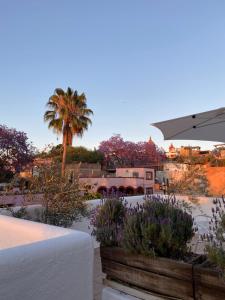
209 277
145 246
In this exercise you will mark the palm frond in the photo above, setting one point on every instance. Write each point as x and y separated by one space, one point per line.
59 92
68 112
49 115
69 92
56 125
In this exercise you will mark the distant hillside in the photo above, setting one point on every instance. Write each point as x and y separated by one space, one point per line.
216 180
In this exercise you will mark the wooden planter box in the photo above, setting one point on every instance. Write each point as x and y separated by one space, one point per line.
208 284
162 276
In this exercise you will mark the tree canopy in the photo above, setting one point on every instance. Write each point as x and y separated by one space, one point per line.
74 154
15 152
120 153
68 115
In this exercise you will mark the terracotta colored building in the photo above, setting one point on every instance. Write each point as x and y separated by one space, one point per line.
185 151
172 153
189 151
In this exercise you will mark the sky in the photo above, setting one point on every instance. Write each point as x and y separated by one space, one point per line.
137 61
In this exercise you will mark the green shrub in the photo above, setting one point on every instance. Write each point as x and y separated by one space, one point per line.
92 195
20 213
216 255
61 198
74 154
107 220
215 238
159 227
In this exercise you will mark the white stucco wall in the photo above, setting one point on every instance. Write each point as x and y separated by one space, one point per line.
15 232
39 261
128 172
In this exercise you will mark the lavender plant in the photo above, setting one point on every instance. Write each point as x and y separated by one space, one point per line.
159 227
215 238
107 219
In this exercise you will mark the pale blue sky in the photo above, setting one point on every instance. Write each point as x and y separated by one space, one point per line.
138 61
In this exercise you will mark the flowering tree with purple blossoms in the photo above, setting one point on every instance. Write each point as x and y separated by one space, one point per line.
15 151
120 153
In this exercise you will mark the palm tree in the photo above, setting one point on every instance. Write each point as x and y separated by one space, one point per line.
68 115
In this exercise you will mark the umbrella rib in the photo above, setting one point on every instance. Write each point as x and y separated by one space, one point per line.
220 114
211 124
197 126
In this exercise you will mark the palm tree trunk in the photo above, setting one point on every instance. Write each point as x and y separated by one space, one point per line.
69 139
64 156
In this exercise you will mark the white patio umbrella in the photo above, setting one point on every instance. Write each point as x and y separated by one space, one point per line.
206 126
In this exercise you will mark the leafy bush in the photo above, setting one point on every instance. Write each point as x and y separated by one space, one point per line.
74 154
92 195
160 226
216 255
20 213
61 198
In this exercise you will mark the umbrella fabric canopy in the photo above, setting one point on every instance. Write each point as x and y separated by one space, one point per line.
206 126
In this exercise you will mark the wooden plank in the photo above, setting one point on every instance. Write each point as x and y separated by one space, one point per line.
208 293
208 284
208 277
164 266
147 280
136 292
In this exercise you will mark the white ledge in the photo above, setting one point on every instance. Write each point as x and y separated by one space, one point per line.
38 261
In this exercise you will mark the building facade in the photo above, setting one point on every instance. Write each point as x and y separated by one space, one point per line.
172 153
128 181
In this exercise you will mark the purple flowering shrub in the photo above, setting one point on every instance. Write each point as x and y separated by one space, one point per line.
159 227
215 238
107 220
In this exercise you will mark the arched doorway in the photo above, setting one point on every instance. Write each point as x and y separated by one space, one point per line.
140 190
113 190
102 190
121 190
129 191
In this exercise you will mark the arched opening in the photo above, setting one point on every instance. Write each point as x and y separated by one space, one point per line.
113 190
130 191
140 190
102 190
121 190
